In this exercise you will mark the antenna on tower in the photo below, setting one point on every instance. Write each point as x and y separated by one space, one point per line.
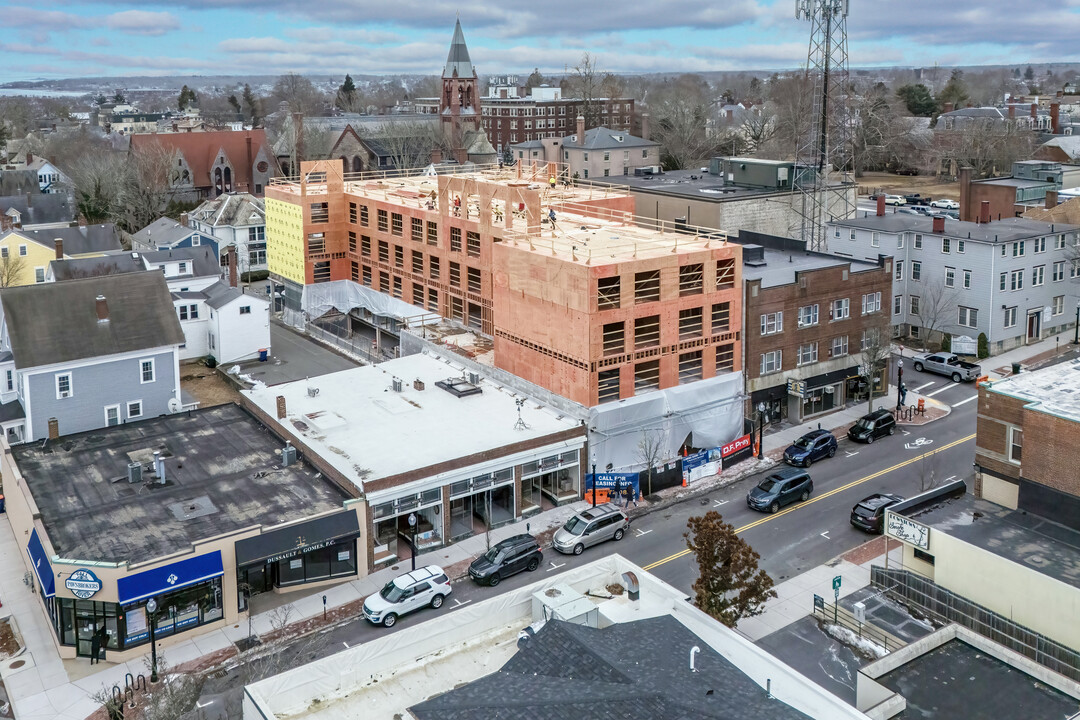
520 424
828 139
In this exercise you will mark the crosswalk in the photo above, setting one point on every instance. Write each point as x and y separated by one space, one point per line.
948 392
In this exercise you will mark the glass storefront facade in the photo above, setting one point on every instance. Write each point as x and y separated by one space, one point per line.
555 479
481 502
392 530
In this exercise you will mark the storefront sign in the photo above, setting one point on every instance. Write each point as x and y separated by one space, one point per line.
908 530
796 387
294 540
167 578
964 345
83 584
736 445
298 550
608 481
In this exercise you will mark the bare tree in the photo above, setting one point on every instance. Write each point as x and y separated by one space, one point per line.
934 308
169 699
409 144
11 270
299 93
96 180
874 356
729 586
650 451
680 130
585 82
151 180
758 127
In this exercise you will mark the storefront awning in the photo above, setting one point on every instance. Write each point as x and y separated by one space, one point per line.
831 378
42 566
297 538
169 577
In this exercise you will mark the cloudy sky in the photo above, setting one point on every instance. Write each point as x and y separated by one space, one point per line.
208 37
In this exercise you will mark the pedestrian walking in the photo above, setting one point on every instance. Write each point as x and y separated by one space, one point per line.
903 393
103 642
633 495
618 490
95 646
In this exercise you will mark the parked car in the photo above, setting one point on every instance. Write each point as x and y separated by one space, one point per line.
945 204
895 200
908 211
590 527
869 513
916 199
780 488
947 364
507 558
872 426
423 587
812 446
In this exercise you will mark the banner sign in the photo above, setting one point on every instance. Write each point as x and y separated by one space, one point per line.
700 465
735 446
608 481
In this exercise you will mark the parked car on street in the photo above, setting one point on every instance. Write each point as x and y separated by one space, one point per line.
873 425
947 364
916 199
895 200
945 204
780 488
423 587
590 527
869 513
506 558
812 446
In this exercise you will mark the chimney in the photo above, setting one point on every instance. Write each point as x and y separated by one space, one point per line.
298 135
102 309
1034 110
965 193
730 114
881 204
1051 199
1055 118
581 129
949 107
1012 111
1060 93
29 158
644 126
939 224
175 127
54 428
984 211
232 266
250 165
436 156
59 248
281 407
184 219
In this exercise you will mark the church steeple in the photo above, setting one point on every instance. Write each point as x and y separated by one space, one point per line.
458 63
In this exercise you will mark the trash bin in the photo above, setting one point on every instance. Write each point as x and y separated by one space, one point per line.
1016 368
1 503
264 355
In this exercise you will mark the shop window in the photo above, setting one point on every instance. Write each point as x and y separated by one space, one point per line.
646 332
614 338
646 377
690 279
646 286
608 292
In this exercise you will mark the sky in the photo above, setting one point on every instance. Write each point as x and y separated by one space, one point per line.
73 38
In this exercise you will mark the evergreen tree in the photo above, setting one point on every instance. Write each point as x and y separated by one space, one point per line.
955 91
252 104
235 104
1029 73
918 100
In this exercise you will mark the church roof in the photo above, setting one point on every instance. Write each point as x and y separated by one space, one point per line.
457 61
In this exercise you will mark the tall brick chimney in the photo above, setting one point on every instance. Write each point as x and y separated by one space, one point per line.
102 309
29 157
1055 118
298 130
881 204
939 224
231 255
949 107
644 126
984 211
1034 110
1051 199
184 219
59 248
1012 111
581 129
965 194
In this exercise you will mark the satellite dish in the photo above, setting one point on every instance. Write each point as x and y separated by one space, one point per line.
174 405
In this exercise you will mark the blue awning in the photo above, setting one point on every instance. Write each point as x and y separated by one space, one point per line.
169 577
42 566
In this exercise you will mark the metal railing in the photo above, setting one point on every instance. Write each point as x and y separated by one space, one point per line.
947 606
839 615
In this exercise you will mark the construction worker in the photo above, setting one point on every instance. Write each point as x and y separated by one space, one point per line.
552 182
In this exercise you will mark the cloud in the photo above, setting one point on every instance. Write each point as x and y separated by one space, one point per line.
142 22
131 22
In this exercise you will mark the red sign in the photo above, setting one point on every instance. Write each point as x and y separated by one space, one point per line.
735 446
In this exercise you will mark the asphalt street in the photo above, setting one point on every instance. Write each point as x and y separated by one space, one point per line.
792 541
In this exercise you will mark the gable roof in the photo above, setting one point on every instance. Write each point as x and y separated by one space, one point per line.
18 182
219 295
628 671
203 261
79 240
1066 212
163 232
1069 144
457 60
96 266
232 210
200 148
57 322
40 209
602 138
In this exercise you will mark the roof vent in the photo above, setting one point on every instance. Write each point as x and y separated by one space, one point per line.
396 384
288 455
753 255
102 309
459 387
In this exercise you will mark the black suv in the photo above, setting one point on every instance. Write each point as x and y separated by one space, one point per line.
507 558
869 513
780 488
872 426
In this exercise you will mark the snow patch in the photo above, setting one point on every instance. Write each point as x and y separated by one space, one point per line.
862 644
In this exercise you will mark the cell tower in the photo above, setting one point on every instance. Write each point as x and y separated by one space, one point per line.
828 137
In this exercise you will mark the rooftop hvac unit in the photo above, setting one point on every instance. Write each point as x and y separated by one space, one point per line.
396 384
474 379
134 472
288 455
564 603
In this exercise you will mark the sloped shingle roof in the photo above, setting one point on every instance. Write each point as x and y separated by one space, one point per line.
80 240
602 138
200 149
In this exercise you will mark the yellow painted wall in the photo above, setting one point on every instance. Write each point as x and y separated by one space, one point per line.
285 239
37 256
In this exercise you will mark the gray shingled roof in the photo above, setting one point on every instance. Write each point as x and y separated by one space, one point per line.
203 261
1004 230
57 322
163 232
602 138
38 209
220 294
458 57
81 240
231 209
95 266
628 671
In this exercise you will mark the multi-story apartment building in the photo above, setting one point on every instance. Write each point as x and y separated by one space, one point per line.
581 299
592 154
808 317
1013 279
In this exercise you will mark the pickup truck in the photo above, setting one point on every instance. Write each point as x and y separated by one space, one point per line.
948 365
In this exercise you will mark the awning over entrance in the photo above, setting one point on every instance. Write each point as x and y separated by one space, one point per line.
831 378
296 539
169 577
42 566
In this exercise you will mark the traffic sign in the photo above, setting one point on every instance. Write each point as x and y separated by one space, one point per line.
836 583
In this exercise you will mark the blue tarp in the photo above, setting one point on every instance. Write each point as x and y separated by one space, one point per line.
41 564
169 577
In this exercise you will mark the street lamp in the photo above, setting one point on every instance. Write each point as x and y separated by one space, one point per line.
899 383
761 430
594 479
1076 330
412 526
151 608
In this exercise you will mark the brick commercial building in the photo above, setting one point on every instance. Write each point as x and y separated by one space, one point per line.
1028 432
808 316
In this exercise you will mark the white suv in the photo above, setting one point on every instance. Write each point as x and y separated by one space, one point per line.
427 586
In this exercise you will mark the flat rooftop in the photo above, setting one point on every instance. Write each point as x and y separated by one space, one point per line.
781 265
1054 390
367 431
957 681
222 469
998 231
691 183
1029 540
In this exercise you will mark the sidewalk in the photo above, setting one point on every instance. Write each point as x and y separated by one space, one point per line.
41 686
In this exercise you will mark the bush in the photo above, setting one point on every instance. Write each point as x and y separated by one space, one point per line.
984 346
254 276
946 342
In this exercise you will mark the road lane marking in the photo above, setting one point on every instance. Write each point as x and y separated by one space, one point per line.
924 386
554 566
851 453
826 535
973 397
202 705
458 603
641 533
718 503
830 493
919 442
939 390
345 644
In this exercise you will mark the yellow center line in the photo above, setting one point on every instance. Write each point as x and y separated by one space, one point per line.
822 496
